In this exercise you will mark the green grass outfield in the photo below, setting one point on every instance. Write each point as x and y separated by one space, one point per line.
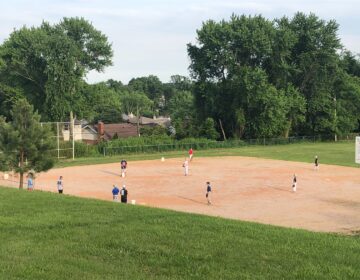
336 153
49 236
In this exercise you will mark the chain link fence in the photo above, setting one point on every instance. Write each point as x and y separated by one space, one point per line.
122 150
68 141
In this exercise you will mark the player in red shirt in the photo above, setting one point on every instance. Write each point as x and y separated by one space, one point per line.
191 153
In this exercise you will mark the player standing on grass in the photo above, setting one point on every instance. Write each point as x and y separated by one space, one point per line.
191 153
316 167
186 166
294 183
208 193
123 168
30 183
60 185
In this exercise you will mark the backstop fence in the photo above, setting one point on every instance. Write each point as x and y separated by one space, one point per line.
63 136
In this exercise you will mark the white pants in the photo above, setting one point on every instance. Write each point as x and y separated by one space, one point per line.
294 187
186 170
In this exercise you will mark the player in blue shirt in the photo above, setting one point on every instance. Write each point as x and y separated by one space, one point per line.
115 193
30 183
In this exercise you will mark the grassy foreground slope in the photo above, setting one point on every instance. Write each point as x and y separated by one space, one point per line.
49 236
339 153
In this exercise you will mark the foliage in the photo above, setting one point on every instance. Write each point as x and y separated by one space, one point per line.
258 77
8 97
153 89
49 62
26 145
153 131
102 103
266 78
135 103
208 130
181 106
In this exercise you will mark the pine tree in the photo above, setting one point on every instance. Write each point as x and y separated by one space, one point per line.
24 144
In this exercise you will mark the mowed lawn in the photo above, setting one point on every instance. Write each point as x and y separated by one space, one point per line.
336 153
50 236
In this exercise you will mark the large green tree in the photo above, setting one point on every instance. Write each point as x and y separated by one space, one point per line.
264 78
102 103
50 62
136 103
24 144
152 87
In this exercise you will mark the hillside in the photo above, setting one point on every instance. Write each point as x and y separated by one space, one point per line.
48 236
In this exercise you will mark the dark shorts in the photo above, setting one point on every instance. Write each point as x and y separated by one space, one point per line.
60 191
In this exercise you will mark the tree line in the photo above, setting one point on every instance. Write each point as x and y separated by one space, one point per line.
288 76
250 77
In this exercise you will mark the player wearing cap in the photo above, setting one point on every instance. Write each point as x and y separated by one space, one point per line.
123 168
115 193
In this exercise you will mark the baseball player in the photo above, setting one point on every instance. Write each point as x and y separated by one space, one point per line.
60 185
294 183
30 183
186 167
208 193
123 168
191 153
316 163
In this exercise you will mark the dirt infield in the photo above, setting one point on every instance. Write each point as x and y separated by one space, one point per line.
244 188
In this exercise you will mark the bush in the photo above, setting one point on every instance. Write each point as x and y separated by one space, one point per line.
153 143
153 131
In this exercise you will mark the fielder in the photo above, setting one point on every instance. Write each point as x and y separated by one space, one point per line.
191 153
186 167
294 183
123 168
208 193
316 163
60 185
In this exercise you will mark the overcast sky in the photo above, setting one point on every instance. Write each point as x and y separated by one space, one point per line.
150 37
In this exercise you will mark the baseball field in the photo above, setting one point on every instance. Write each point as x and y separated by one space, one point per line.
50 236
244 188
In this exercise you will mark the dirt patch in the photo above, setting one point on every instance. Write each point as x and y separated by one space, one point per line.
244 188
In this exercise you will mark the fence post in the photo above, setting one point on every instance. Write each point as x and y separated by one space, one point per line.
73 138
104 151
58 140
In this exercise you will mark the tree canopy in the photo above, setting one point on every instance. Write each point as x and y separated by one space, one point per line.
49 63
267 78
251 77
